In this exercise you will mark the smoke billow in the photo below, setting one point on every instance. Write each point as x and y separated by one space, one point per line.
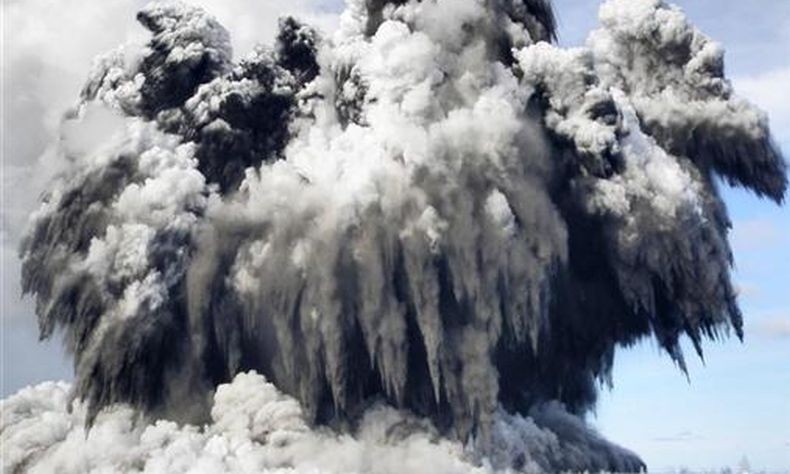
255 428
432 229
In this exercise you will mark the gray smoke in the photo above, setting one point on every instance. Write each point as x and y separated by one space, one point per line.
435 209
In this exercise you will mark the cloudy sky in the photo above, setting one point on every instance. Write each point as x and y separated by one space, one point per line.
736 404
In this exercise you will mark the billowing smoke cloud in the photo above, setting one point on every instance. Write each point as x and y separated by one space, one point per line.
255 428
434 209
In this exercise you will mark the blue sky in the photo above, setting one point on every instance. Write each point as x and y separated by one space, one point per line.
738 403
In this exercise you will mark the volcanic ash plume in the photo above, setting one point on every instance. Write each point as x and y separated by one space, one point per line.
429 231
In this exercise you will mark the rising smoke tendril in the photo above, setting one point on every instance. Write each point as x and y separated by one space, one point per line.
434 208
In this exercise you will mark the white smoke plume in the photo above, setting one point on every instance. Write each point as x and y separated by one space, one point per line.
432 228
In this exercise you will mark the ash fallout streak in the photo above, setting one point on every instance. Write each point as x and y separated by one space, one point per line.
434 209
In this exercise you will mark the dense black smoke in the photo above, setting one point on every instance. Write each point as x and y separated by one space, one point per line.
435 207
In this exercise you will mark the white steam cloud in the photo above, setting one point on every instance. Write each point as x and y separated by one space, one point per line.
255 428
